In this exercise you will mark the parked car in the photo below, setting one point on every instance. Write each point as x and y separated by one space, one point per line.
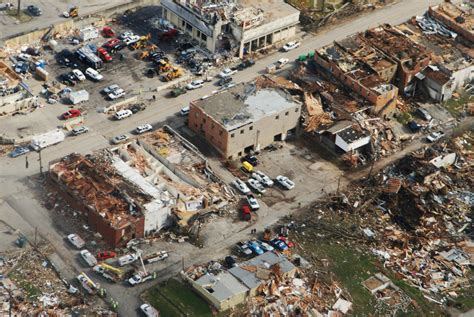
423 114
246 213
227 72
68 79
127 259
107 90
126 34
285 182
143 128
116 94
224 80
281 62
103 54
246 64
72 113
93 74
240 185
137 107
255 247
279 244
243 248
256 186
34 10
195 84
414 126
435 136
76 241
79 75
139 278
227 86
229 261
149 311
265 246
262 178
291 46
131 39
252 159
88 258
122 114
253 202
80 130
119 139
104 255
19 150
184 111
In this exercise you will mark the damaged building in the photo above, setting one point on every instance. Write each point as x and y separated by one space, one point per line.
138 188
452 59
456 19
245 118
361 75
244 26
15 96
410 56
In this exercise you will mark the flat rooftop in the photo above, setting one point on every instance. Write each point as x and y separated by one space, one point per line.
244 104
462 18
271 9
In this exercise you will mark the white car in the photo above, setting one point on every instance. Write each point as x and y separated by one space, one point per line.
435 136
88 258
131 39
256 186
79 75
119 139
184 111
240 185
195 84
265 246
80 130
291 46
93 74
227 72
281 62
111 88
262 178
149 311
285 182
76 241
116 94
253 202
126 35
143 128
122 114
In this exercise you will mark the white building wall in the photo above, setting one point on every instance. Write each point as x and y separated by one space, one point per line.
352 146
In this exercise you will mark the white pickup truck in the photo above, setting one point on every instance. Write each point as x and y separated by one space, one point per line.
88 258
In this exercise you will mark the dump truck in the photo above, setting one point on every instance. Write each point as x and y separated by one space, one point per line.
87 284
173 74
44 140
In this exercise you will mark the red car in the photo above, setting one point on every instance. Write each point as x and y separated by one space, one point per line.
103 54
111 43
104 255
108 32
71 114
246 213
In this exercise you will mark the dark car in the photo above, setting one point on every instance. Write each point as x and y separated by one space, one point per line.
68 79
34 10
137 107
246 64
252 159
229 261
414 126
224 81
423 114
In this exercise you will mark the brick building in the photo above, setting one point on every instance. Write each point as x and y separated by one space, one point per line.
458 20
245 118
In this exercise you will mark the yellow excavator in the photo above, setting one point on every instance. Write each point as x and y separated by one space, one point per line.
72 13
174 73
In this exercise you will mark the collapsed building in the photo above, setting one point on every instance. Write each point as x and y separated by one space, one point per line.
133 191
452 59
245 118
411 57
360 73
15 96
455 18
246 26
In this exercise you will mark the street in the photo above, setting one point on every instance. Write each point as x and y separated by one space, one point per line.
16 181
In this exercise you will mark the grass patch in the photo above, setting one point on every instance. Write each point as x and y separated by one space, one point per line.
173 298
31 290
456 106
23 17
404 117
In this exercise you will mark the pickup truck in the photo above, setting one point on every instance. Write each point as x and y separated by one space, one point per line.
76 241
127 259
155 257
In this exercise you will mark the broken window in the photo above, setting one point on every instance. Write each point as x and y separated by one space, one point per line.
277 117
242 131
251 128
232 135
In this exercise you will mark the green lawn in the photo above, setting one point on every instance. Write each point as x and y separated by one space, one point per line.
455 106
173 298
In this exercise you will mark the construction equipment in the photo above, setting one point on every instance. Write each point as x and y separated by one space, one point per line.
173 74
144 54
72 13
141 43
109 272
87 284
162 66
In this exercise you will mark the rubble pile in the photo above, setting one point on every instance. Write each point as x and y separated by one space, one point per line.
415 216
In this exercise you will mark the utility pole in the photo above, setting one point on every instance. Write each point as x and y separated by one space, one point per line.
36 234
41 163
26 162
338 184
19 6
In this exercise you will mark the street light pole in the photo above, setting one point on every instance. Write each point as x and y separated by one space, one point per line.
40 162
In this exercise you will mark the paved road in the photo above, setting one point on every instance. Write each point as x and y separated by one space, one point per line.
13 174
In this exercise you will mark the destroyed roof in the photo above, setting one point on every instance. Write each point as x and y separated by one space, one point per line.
191 16
8 78
223 285
396 45
362 51
452 54
339 126
264 261
251 13
463 19
244 104
350 134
